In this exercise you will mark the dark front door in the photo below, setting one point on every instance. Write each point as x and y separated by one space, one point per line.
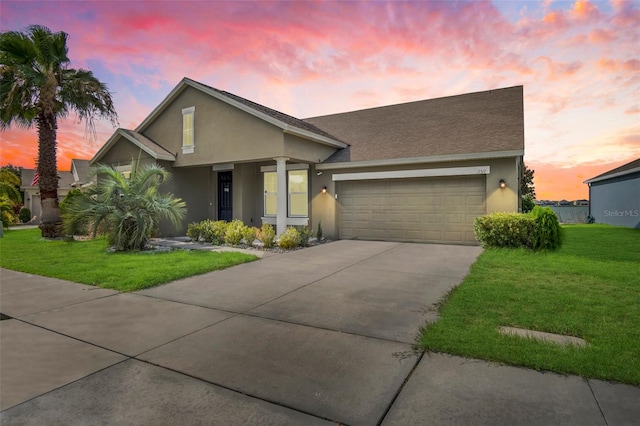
225 196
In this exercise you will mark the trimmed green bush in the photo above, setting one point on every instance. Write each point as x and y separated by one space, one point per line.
25 215
249 234
319 233
539 229
527 204
234 232
266 235
214 232
194 231
549 231
290 238
305 234
506 230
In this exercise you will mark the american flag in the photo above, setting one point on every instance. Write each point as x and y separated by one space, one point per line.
36 178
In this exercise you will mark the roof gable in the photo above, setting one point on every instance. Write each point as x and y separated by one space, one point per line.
144 143
285 122
625 169
475 123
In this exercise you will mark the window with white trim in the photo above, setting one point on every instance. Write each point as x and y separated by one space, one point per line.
298 193
188 136
270 193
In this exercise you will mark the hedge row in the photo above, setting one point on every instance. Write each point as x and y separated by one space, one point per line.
536 230
235 232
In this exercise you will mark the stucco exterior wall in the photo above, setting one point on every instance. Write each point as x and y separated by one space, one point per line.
299 149
123 152
223 133
324 206
193 186
616 201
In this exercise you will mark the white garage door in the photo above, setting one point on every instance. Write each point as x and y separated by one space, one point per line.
438 210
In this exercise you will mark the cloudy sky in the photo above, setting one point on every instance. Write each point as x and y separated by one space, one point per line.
579 62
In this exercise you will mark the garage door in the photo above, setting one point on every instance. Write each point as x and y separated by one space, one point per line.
438 210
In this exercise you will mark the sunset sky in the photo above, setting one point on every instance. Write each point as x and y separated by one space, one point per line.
579 62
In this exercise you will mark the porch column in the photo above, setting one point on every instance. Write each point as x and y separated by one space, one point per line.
281 196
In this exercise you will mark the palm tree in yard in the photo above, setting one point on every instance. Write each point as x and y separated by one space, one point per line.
128 208
37 87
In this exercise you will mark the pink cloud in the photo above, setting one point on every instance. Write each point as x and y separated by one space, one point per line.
585 10
601 36
560 70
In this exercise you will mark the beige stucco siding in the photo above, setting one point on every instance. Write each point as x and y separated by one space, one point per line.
325 207
299 149
193 186
222 132
123 152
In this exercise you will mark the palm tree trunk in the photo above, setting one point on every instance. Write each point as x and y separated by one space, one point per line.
50 222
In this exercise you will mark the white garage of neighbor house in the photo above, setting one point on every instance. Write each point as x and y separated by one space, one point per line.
419 171
614 196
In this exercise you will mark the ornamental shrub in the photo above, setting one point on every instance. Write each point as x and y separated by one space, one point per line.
213 232
234 232
506 230
289 238
249 234
25 215
527 204
266 235
319 233
194 231
81 224
549 232
305 234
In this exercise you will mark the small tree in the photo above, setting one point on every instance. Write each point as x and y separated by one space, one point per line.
129 208
526 183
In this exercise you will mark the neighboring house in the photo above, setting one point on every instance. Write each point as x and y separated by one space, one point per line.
77 177
81 172
614 196
419 171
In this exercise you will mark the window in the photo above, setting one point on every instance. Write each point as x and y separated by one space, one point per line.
270 189
298 193
124 170
187 130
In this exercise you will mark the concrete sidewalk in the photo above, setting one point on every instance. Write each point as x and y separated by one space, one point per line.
316 336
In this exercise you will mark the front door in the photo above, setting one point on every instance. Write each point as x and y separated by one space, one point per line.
225 196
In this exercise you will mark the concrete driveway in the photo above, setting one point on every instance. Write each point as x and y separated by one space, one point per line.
316 336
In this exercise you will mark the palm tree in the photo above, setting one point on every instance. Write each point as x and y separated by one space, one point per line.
128 208
9 186
37 88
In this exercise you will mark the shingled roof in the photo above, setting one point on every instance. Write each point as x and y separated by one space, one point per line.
65 179
482 122
632 167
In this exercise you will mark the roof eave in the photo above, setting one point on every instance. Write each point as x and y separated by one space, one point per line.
613 175
296 131
120 132
420 160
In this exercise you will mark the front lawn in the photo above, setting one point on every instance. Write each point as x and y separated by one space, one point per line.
89 262
589 288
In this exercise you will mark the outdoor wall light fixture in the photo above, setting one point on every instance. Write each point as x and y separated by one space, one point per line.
503 184
324 189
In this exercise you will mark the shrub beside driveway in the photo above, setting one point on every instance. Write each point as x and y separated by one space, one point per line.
588 288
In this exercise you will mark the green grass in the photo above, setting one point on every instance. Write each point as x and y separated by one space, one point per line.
89 262
589 288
